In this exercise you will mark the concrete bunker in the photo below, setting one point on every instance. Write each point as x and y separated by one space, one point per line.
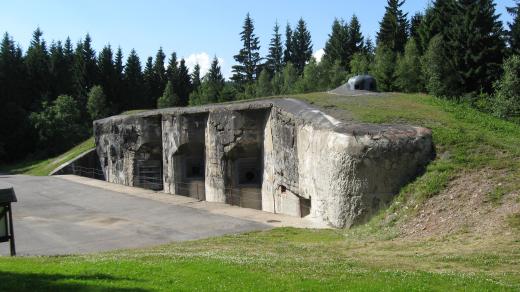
277 155
362 82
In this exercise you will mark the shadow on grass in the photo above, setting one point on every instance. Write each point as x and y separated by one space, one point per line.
10 281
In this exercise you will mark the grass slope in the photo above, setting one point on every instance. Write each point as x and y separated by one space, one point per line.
45 166
372 257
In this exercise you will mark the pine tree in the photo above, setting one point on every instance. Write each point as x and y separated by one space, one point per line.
37 66
169 97
408 70
393 32
476 45
514 28
288 51
302 45
274 61
133 81
248 58
336 46
148 83
184 86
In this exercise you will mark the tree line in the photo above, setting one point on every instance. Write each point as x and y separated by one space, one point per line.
455 49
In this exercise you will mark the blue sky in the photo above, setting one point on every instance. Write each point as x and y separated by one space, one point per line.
196 30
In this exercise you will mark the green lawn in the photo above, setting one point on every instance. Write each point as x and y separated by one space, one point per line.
280 259
372 257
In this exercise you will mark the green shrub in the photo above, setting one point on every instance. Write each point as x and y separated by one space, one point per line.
507 99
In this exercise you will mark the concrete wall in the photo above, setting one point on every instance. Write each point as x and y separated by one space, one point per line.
298 160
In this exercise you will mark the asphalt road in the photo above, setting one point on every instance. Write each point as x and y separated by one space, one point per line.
55 217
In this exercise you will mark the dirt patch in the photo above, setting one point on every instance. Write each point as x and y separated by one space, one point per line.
467 205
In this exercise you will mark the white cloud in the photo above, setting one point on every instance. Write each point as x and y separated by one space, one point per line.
204 61
318 55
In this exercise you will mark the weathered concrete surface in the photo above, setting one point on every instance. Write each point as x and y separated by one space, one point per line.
280 155
56 216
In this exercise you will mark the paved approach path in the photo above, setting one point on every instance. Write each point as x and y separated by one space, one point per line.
60 216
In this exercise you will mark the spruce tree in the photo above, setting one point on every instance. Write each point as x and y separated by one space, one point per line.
355 38
302 46
214 83
475 46
274 61
393 32
159 74
169 97
438 76
80 76
415 24
514 28
120 102
68 55
384 68
92 73
37 68
263 87
408 69
195 77
12 74
288 51
173 70
437 19
133 81
107 74
336 46
148 83
248 58
16 131
58 70
184 86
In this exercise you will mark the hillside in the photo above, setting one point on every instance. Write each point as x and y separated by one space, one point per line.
456 227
